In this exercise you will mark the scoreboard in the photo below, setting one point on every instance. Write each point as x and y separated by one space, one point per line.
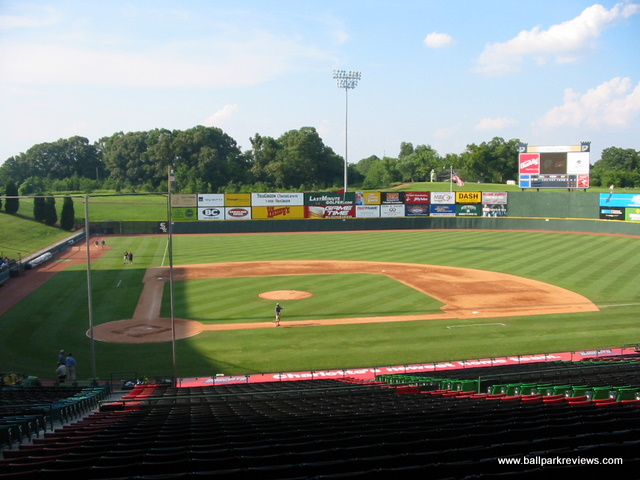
564 166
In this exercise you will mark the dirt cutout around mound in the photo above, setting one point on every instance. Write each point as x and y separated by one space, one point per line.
466 293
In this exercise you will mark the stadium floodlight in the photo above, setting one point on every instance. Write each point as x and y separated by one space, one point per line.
347 80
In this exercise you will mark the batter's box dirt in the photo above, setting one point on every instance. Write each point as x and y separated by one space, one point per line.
465 293
142 329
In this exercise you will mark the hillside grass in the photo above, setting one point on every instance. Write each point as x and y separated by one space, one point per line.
604 268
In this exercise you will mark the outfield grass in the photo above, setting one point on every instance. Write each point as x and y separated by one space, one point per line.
605 269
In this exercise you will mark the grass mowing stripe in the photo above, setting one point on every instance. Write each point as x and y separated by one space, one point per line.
56 314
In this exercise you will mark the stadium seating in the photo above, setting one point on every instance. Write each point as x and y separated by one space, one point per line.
349 429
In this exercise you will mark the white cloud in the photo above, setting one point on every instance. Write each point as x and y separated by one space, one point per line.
612 104
563 43
218 118
495 123
438 40
38 20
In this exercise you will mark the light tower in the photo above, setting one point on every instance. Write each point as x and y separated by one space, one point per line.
346 80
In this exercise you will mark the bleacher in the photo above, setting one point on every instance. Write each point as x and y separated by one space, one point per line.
406 426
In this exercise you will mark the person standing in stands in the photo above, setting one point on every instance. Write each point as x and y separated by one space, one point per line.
71 367
62 372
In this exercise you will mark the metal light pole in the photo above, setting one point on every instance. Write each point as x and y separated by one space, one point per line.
346 80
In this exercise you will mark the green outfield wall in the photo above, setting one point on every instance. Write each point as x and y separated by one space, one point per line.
575 211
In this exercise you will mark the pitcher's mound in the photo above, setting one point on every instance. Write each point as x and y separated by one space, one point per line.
285 295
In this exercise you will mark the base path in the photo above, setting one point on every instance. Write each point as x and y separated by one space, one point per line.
466 293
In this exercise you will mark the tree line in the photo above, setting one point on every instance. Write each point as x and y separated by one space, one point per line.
205 159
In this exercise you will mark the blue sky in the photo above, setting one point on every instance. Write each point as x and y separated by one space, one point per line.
444 73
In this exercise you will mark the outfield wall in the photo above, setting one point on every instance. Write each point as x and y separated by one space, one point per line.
575 211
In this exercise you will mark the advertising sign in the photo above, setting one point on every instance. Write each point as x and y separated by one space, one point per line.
184 200
392 197
443 198
329 198
619 200
468 197
529 163
237 200
414 210
392 211
417 198
367 198
578 163
184 214
613 213
494 210
277 213
367 211
210 199
211 213
632 214
237 213
469 210
330 211
271 199
443 210
494 197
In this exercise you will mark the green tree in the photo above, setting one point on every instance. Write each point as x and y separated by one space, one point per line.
12 202
67 216
495 161
39 208
50 214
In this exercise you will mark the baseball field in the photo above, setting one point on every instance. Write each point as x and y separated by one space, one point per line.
351 299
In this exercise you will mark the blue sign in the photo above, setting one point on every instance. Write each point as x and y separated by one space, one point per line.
620 200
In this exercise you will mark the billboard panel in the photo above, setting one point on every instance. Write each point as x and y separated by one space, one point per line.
619 200
277 213
184 214
632 214
330 211
443 210
392 211
367 211
184 200
237 200
210 199
329 198
443 198
529 163
392 197
494 210
417 198
578 163
367 198
469 210
612 213
211 213
272 199
494 197
237 213
414 210
468 197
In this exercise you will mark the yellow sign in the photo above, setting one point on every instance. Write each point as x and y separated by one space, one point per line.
468 197
237 200
277 213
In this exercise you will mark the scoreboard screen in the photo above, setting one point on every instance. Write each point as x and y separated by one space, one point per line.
565 166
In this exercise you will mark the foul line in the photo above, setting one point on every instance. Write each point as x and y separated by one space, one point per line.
476 325
620 305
